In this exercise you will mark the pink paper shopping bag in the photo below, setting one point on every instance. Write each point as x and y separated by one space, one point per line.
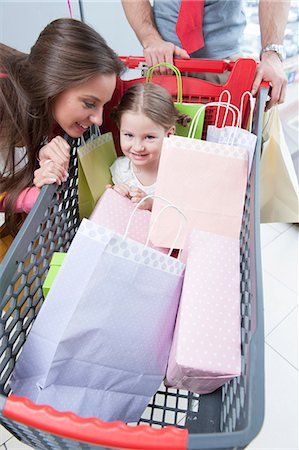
207 181
206 349
113 211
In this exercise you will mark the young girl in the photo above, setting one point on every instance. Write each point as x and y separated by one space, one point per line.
145 115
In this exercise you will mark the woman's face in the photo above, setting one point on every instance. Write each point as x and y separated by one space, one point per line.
79 107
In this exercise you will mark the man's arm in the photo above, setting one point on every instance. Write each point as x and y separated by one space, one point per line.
273 17
141 18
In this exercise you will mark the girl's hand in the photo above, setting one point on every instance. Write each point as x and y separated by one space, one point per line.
57 150
49 173
122 189
137 194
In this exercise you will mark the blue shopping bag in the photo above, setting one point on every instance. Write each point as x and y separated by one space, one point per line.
100 344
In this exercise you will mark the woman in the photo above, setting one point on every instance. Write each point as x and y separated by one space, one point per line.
60 86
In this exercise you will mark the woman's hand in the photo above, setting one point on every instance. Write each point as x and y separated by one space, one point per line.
137 194
49 173
57 150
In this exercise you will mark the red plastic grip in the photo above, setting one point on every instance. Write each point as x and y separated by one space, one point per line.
92 430
185 65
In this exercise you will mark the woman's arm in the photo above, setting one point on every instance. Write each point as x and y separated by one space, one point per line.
25 200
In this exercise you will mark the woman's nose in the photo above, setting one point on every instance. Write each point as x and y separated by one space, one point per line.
97 117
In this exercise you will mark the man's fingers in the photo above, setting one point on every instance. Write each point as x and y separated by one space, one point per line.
181 53
257 81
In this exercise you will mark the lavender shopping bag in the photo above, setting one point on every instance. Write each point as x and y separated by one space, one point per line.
100 344
206 349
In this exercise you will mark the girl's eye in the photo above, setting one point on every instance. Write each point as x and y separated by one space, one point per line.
129 135
89 105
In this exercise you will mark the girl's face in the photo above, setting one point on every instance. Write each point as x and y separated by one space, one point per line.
79 107
141 139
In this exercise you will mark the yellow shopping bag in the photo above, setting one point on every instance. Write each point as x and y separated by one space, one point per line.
94 160
278 181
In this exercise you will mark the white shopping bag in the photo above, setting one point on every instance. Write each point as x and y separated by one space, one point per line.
234 134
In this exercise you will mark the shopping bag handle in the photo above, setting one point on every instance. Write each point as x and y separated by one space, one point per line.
193 125
91 430
149 78
169 205
179 228
252 105
228 101
225 91
92 136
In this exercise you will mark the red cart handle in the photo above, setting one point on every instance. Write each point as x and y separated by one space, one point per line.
187 65
92 430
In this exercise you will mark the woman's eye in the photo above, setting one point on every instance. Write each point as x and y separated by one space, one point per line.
150 137
89 105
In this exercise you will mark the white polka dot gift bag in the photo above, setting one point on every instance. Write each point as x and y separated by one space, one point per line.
234 134
100 344
206 349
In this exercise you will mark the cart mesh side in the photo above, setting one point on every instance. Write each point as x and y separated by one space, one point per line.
227 418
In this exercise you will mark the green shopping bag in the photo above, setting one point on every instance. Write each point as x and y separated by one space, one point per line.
95 158
185 108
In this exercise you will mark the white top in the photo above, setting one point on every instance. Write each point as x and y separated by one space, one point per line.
122 173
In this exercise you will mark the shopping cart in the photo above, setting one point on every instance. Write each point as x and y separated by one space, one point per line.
228 418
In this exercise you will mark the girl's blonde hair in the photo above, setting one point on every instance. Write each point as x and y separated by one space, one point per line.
153 101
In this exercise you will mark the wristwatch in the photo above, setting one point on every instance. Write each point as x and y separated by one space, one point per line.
277 48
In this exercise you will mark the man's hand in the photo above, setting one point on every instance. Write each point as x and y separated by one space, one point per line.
140 16
158 51
271 69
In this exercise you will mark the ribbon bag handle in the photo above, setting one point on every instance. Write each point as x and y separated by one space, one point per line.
92 136
232 108
169 205
149 78
252 105
218 109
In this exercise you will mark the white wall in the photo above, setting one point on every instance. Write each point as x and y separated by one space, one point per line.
22 21
109 19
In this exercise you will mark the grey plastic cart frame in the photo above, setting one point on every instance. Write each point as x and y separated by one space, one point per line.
229 418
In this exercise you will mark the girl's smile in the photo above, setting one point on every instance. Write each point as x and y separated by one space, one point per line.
141 139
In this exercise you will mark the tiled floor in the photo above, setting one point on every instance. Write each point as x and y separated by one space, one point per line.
280 279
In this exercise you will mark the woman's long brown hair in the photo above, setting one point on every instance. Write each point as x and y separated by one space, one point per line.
67 53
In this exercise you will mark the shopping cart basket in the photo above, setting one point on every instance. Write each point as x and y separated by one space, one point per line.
228 418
